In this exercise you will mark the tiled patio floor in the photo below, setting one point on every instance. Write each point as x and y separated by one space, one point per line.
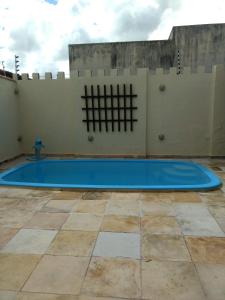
68 245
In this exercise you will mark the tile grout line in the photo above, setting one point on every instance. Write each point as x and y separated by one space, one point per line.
216 222
41 257
196 270
140 263
91 254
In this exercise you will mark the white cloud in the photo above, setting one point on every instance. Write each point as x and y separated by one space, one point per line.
40 32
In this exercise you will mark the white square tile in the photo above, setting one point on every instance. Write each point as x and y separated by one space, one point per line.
212 278
199 226
113 244
191 210
124 207
7 295
156 208
170 280
32 241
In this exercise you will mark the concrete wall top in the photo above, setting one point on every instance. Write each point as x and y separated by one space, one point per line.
120 72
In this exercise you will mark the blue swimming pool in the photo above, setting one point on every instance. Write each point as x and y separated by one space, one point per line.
131 174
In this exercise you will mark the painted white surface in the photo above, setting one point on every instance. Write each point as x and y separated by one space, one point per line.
114 244
181 113
9 120
189 113
52 110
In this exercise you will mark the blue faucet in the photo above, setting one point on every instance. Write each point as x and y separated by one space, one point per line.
38 145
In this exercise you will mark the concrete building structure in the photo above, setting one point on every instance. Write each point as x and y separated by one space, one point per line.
187 45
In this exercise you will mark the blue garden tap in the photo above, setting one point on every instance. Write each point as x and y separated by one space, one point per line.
38 145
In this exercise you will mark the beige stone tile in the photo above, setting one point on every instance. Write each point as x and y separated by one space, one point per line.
66 195
221 174
125 196
6 234
197 210
118 244
186 197
15 269
153 208
96 196
217 211
13 192
42 220
221 222
39 193
59 206
160 225
212 277
166 197
38 296
164 247
27 204
199 226
84 297
15 218
123 207
22 193
8 295
207 249
215 168
83 221
91 206
217 192
58 274
118 223
214 199
76 243
170 280
30 241
108 277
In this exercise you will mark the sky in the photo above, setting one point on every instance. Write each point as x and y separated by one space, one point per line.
39 31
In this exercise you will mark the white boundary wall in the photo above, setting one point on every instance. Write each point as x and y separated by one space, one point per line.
9 120
189 112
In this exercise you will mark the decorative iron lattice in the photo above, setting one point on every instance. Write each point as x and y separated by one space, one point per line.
109 108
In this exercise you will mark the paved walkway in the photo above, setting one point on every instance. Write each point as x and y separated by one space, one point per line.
68 245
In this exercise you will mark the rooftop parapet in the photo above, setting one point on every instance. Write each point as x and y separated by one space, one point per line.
119 72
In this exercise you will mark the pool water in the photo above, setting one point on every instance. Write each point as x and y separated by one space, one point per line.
112 174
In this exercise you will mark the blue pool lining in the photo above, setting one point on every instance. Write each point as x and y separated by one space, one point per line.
214 183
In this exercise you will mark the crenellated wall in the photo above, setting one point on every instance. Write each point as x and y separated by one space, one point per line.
180 115
52 109
9 120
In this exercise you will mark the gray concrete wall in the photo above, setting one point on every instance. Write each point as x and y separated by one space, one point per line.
9 120
197 44
122 55
200 44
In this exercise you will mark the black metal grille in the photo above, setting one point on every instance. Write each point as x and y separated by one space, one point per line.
109 108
